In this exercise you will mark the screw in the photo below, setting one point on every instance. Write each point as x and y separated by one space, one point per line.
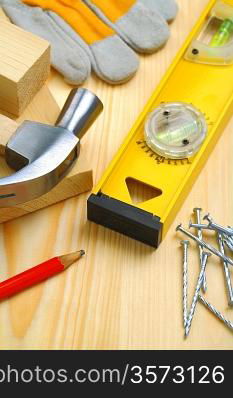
199 226
197 211
226 272
185 244
204 244
216 312
217 227
205 256
185 142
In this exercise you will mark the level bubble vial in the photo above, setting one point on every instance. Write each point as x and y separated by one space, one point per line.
175 130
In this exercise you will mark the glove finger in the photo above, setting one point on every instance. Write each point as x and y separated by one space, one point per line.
77 59
67 57
145 31
167 8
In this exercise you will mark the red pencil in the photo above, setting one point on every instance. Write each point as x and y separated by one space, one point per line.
37 274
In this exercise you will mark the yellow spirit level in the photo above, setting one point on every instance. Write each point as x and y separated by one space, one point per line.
172 138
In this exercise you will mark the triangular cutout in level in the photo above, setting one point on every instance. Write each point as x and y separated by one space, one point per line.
141 192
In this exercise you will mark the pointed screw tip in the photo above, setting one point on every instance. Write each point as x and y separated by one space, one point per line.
82 252
204 288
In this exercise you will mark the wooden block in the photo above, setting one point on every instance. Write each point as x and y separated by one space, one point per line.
24 66
79 179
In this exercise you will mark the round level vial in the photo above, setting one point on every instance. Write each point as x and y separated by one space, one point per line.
175 130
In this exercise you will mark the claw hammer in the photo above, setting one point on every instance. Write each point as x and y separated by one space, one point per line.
42 155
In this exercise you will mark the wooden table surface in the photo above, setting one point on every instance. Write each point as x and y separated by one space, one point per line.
123 294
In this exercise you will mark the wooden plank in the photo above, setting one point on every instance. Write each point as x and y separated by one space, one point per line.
24 66
78 180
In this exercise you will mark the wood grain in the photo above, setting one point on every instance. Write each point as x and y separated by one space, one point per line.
7 129
24 66
122 294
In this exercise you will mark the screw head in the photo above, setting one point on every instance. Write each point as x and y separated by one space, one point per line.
206 254
197 209
184 242
207 217
178 227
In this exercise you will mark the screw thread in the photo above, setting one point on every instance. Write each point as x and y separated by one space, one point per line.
226 272
185 280
218 314
197 212
196 293
228 244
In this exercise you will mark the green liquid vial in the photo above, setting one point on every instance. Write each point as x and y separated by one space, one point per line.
223 35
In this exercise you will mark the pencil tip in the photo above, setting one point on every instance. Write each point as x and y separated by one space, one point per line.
70 258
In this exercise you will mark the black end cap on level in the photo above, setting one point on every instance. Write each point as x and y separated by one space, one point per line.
124 218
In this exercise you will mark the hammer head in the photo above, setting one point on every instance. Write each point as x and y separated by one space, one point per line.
42 155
